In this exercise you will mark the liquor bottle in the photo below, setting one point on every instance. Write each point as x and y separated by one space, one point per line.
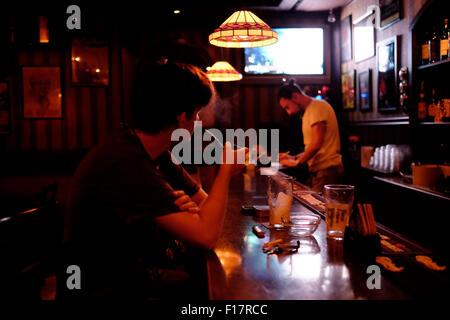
426 49
433 43
432 106
439 112
422 104
446 103
444 41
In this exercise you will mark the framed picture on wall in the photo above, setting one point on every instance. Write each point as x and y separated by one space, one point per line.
389 12
387 75
364 42
346 39
42 96
348 90
5 109
365 90
90 62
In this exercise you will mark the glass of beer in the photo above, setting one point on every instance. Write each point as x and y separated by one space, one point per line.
338 202
279 193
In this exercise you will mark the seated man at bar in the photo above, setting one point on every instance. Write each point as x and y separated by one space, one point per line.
132 212
320 136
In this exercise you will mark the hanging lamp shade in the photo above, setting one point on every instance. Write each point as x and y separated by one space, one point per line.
243 29
223 71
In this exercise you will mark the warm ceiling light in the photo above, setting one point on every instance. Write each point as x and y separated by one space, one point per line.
176 11
43 30
223 71
243 29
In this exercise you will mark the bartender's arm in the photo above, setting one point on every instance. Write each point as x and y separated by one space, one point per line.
317 137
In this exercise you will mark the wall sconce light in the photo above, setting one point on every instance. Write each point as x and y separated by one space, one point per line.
44 36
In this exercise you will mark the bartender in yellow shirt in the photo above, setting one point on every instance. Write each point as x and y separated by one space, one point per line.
320 136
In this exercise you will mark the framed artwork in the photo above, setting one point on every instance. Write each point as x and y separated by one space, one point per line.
90 63
348 90
389 12
364 43
387 74
42 96
365 90
5 109
346 39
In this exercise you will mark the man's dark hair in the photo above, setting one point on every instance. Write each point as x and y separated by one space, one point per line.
162 91
288 89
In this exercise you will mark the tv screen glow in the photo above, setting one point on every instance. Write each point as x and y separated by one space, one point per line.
298 51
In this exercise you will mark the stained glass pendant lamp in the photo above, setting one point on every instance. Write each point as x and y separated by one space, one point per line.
243 29
223 71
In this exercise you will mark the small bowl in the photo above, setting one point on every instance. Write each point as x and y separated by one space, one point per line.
304 225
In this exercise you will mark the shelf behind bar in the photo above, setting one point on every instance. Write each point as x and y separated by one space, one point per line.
400 183
440 124
397 121
434 64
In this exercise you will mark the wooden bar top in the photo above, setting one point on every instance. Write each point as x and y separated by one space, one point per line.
238 269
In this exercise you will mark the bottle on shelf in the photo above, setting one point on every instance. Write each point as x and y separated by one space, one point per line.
434 45
446 102
422 104
444 41
425 49
431 111
446 106
439 112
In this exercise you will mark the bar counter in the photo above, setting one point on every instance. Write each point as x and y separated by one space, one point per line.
322 269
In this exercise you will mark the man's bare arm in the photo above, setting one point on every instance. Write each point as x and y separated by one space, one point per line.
317 138
203 229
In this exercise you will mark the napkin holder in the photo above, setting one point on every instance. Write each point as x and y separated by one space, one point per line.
365 245
361 234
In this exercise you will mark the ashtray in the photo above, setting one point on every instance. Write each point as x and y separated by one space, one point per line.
303 225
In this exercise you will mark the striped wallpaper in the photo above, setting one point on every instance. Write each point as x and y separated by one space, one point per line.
89 113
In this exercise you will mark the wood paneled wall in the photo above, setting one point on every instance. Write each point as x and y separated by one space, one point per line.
89 113
401 28
377 134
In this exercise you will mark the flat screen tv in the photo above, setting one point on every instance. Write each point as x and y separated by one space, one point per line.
298 51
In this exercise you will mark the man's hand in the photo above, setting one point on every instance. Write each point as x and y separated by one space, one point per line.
287 160
290 162
233 157
284 155
184 202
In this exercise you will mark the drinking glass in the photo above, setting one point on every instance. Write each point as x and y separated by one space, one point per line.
338 202
279 194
